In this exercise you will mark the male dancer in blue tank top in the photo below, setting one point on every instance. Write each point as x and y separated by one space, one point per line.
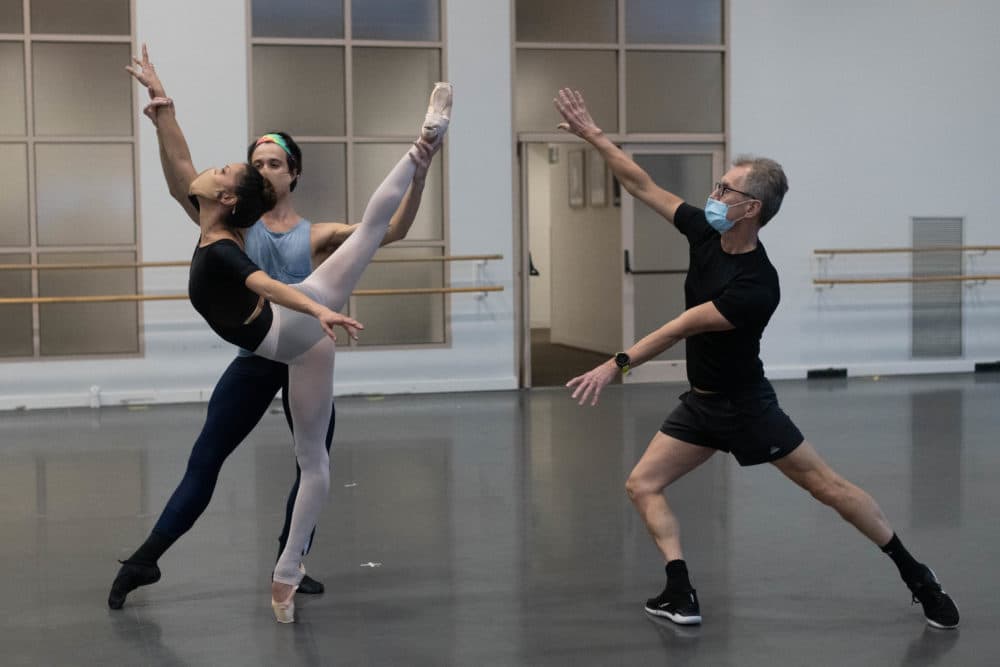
286 247
731 291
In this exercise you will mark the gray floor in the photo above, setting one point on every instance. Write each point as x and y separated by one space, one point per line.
500 535
553 364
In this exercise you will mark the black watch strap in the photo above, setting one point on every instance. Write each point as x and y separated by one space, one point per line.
624 362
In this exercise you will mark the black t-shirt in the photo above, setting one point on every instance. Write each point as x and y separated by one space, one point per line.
744 288
218 291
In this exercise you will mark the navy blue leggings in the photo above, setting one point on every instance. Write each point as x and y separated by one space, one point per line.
240 398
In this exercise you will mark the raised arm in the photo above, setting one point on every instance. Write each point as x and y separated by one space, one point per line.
280 293
327 236
577 120
175 157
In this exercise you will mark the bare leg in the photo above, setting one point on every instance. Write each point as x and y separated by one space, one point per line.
806 467
666 459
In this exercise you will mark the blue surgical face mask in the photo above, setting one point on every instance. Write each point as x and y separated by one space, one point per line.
716 212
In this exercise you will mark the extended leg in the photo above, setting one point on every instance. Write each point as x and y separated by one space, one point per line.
333 281
240 399
805 467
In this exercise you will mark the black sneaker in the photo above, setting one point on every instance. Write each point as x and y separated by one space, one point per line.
939 609
310 586
681 608
131 575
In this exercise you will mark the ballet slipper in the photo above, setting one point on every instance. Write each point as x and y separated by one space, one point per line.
438 112
284 611
131 576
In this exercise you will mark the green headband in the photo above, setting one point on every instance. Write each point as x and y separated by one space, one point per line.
274 139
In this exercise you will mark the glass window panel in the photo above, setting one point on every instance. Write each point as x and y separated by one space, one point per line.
373 162
11 16
299 89
79 89
321 193
691 103
12 110
93 17
398 103
657 298
298 18
402 320
673 21
14 203
88 328
567 21
540 75
85 194
15 321
411 20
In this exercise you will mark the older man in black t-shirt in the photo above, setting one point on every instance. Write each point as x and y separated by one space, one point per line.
730 293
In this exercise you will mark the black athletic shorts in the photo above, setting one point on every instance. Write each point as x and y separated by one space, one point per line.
751 425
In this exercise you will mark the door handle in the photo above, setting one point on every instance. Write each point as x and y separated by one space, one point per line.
651 272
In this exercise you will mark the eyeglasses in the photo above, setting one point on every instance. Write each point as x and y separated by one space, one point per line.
722 189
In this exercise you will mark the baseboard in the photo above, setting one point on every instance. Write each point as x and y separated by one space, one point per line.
823 373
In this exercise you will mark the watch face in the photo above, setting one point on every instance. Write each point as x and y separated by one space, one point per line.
622 360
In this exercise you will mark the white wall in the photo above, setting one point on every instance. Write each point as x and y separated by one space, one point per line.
539 233
586 268
878 112
203 64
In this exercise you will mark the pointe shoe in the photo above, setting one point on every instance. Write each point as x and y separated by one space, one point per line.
438 112
284 612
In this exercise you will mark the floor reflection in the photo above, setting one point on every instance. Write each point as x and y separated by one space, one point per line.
499 532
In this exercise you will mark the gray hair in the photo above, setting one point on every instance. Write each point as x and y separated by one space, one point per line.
766 181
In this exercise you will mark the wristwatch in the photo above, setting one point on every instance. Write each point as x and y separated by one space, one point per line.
624 362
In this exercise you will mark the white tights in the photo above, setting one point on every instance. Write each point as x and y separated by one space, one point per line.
299 341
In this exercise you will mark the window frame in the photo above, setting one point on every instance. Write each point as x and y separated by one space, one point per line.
350 140
30 139
622 47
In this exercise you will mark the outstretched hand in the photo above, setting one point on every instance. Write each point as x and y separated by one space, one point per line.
143 71
330 319
593 382
576 118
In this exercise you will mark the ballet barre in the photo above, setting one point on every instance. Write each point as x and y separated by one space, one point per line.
113 298
917 279
879 251
969 279
159 265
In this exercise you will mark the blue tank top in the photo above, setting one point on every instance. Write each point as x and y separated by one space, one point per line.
285 256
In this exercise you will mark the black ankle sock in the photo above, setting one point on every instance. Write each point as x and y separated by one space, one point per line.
677 576
909 567
151 550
